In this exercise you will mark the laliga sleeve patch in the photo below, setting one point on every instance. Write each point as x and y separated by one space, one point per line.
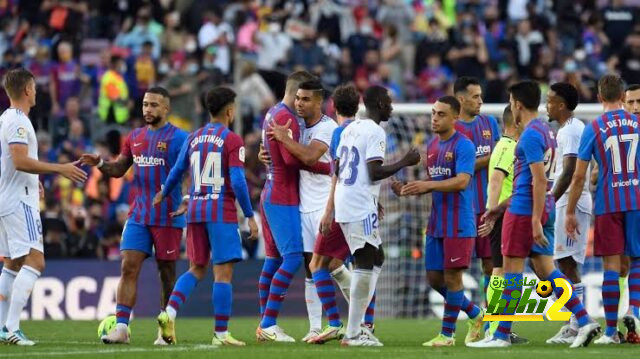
21 132
241 154
383 145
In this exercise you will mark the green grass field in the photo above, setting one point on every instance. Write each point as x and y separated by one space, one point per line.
402 339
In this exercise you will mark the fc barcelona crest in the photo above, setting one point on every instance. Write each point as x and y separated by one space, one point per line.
448 156
162 146
486 134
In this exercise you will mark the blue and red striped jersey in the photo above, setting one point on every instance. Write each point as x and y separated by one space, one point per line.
484 132
612 140
210 153
284 170
537 144
452 213
154 153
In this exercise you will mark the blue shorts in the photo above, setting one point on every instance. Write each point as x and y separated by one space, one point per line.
219 241
144 238
632 234
286 227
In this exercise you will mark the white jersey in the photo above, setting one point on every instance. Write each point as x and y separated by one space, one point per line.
356 196
314 187
568 139
17 186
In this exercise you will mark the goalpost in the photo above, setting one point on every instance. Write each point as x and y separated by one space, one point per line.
402 289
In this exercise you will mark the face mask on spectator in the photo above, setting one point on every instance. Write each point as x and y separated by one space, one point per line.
190 46
163 68
274 27
192 68
366 29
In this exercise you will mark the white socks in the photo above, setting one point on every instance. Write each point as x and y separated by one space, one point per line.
374 281
360 289
314 306
171 312
6 283
22 287
342 276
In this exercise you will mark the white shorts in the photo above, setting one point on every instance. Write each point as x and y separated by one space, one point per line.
362 232
20 231
310 229
563 246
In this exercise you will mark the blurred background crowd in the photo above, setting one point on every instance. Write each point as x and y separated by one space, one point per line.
93 61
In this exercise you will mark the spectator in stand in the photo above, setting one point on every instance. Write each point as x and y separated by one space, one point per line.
66 78
469 53
145 70
391 56
109 246
307 55
274 47
54 229
367 74
41 67
434 79
528 42
82 242
76 142
183 89
113 100
174 35
619 21
219 34
61 125
385 80
145 30
628 60
361 42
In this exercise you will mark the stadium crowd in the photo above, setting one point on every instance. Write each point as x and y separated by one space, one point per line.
93 61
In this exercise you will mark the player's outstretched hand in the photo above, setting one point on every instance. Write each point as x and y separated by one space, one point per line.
326 222
263 156
415 188
253 228
279 133
70 171
538 234
396 186
158 198
182 208
412 157
88 159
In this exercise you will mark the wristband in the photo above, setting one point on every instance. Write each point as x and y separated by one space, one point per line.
100 164
185 197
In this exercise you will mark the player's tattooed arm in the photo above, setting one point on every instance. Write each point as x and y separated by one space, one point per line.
378 171
563 182
115 168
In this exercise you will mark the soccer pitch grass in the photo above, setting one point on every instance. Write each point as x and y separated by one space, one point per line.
401 338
